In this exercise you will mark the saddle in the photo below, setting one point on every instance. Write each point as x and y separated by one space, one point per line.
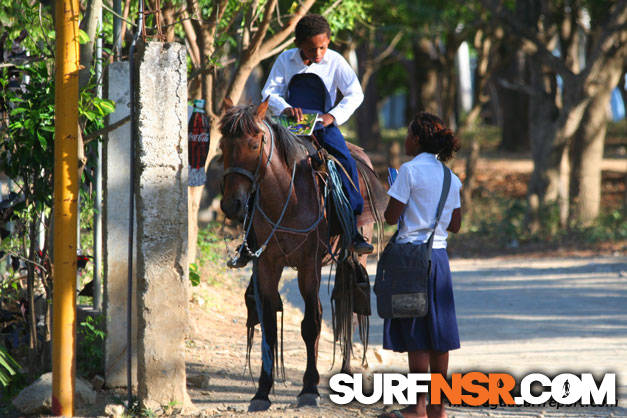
371 189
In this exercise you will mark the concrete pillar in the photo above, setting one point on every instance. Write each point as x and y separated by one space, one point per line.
161 201
116 176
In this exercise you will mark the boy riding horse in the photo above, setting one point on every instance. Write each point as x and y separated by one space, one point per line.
305 80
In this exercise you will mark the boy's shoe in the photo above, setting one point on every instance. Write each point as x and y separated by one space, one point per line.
360 246
240 260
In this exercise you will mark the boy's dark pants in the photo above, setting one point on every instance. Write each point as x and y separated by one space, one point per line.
333 141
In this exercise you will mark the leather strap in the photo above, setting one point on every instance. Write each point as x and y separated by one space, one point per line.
446 185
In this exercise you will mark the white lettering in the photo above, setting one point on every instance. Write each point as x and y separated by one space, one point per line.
606 388
413 388
566 388
394 391
358 389
525 389
203 137
338 383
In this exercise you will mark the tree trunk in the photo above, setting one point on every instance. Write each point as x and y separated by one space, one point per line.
368 129
448 85
90 26
30 283
622 87
543 184
514 104
169 19
426 77
587 150
484 45
470 180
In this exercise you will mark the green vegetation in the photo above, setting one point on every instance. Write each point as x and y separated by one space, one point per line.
90 347
8 367
212 255
27 120
498 225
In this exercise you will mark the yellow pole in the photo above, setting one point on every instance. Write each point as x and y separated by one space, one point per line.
65 198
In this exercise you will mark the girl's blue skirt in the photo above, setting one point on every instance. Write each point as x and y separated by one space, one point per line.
438 329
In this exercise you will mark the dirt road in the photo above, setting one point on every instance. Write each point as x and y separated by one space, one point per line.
515 315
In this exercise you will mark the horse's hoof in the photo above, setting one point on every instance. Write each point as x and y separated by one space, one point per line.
257 405
309 399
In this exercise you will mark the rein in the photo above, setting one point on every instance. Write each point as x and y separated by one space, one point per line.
255 194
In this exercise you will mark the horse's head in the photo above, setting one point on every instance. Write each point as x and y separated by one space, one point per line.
242 146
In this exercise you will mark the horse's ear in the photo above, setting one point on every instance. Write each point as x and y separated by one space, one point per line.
262 109
227 103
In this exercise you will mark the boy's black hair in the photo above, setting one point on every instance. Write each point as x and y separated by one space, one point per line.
433 136
311 25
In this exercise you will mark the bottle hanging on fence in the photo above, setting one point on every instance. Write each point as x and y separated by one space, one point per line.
198 144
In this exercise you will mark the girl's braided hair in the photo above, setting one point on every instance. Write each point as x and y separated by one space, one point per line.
433 136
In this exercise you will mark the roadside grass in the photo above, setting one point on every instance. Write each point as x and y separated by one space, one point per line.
214 247
498 225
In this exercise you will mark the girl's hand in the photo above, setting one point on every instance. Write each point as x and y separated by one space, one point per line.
456 221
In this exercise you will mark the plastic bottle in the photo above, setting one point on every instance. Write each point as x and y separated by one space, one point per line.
198 144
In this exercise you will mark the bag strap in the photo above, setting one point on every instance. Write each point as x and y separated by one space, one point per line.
446 185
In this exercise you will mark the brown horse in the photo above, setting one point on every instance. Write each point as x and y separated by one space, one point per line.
264 160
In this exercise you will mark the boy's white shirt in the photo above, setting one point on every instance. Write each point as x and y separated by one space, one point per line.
334 71
419 185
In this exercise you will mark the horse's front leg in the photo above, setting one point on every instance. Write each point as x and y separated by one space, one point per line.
309 285
267 303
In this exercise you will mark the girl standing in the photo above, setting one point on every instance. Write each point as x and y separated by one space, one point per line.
414 196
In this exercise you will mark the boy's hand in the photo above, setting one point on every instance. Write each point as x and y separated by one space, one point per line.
327 119
295 112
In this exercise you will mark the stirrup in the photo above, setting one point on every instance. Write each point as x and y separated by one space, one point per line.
360 245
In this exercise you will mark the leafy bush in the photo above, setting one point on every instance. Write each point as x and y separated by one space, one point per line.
8 367
90 352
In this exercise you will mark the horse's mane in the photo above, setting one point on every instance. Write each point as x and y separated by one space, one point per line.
240 121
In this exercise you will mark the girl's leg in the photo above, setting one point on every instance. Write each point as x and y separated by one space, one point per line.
418 363
438 360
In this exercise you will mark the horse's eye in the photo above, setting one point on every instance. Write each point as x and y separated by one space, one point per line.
255 146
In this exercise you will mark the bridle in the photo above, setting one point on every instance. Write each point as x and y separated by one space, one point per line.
254 193
254 177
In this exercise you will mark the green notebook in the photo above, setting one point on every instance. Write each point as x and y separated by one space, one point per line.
305 127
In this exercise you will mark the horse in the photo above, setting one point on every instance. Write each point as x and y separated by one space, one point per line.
289 226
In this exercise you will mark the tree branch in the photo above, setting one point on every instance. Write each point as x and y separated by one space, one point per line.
616 23
278 49
331 7
519 30
388 51
190 36
257 39
280 36
90 137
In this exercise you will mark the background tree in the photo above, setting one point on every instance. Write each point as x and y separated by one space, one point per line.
566 119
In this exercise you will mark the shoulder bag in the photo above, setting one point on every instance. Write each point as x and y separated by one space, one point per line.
401 284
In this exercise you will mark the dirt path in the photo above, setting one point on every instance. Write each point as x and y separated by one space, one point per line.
515 315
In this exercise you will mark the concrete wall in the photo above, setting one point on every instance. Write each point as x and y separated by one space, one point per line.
161 201
116 183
